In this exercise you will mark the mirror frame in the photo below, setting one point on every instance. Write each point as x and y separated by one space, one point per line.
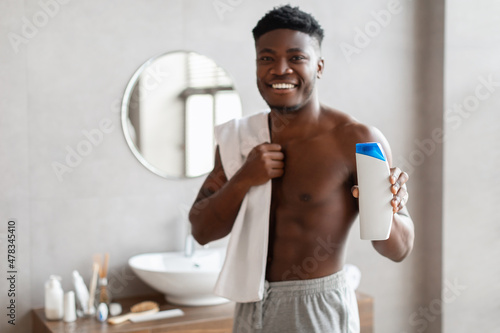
124 110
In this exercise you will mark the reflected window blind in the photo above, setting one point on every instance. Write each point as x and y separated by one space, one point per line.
202 72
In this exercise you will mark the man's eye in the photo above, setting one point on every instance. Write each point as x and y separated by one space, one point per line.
265 58
296 58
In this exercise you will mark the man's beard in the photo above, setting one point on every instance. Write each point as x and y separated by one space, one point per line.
285 109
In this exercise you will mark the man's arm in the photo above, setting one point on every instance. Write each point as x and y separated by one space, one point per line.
215 209
400 242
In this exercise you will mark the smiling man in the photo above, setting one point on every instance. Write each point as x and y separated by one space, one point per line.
310 162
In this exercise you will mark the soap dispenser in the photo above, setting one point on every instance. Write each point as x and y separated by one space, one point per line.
54 298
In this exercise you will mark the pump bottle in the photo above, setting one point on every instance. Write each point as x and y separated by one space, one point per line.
54 296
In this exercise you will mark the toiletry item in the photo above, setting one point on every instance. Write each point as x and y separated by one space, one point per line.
375 209
54 295
104 296
159 315
140 309
82 293
115 309
102 312
93 286
69 307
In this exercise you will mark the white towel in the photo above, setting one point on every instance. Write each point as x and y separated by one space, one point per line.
243 273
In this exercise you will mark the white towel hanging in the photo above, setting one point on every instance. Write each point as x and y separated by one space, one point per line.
243 273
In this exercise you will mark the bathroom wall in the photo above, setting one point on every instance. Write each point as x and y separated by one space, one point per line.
75 189
14 175
472 160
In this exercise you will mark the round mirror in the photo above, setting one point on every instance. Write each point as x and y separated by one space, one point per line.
170 108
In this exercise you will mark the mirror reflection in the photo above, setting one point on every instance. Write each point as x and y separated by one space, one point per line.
170 108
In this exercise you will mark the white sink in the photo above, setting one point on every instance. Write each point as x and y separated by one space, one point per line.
183 280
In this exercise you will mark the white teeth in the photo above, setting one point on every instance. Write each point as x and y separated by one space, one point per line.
283 86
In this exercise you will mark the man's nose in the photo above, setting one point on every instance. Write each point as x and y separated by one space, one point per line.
281 67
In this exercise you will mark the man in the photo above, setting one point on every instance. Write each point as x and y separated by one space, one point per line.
311 163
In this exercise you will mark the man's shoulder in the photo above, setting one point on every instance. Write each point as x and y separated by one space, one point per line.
338 118
350 128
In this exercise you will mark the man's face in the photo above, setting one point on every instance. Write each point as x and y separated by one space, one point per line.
288 63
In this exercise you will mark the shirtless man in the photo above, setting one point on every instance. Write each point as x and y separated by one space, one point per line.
311 163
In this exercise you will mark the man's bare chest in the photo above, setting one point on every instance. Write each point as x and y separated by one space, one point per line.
315 170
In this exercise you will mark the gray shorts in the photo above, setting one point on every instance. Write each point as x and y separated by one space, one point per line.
326 304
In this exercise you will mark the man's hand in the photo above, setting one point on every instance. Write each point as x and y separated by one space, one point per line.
264 162
215 209
398 181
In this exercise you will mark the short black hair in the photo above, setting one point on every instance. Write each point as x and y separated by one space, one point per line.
287 17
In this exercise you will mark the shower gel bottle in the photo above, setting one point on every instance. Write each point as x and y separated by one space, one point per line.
375 209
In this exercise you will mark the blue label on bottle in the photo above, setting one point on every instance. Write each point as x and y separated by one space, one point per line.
373 149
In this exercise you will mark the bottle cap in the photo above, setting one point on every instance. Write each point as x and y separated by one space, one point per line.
372 149
53 282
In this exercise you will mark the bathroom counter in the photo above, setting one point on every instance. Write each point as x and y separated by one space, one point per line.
203 319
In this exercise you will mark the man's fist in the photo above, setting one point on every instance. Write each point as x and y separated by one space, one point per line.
263 163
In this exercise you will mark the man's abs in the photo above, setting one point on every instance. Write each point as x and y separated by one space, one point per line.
312 210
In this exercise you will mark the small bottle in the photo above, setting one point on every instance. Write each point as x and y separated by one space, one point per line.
69 307
54 306
375 209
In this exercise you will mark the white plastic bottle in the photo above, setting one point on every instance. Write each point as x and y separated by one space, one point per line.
82 293
54 298
69 307
375 209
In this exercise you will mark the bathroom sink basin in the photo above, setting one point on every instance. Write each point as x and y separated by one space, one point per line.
183 280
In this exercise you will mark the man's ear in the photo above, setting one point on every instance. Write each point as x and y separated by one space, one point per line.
321 67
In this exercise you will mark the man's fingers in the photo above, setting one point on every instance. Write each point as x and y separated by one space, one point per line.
403 202
276 155
403 178
395 172
402 192
276 173
277 164
355 191
272 146
400 181
400 200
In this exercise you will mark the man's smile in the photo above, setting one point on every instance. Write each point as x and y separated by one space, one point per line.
282 86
